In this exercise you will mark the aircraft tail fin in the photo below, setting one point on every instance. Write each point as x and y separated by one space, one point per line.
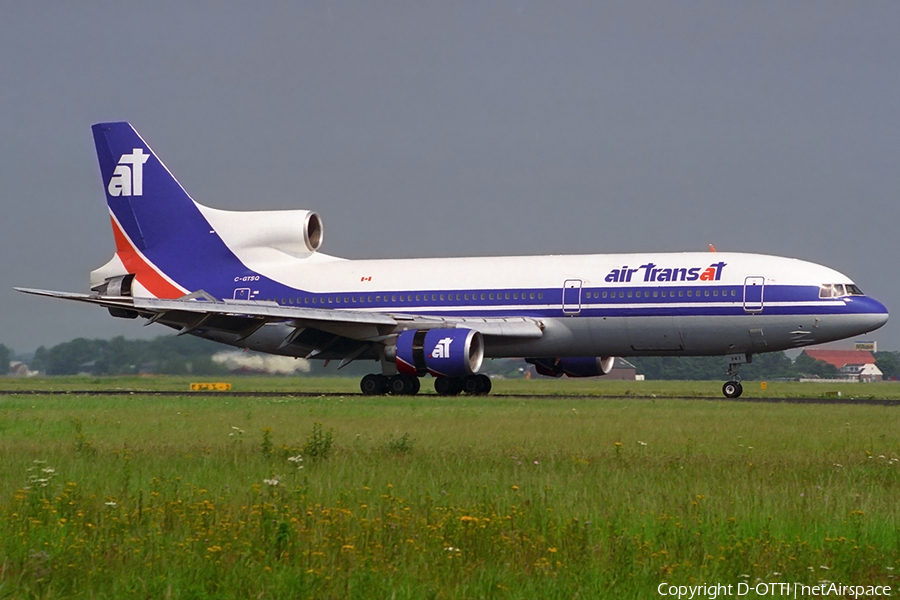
174 246
161 234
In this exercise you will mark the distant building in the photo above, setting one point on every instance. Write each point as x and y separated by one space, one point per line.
622 369
854 365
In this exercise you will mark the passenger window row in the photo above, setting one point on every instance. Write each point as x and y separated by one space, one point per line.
380 299
691 293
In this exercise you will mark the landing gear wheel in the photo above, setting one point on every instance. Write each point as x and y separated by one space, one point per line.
403 385
733 389
448 386
471 385
373 385
476 385
484 387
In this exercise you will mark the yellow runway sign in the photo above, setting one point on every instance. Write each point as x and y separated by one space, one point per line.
211 387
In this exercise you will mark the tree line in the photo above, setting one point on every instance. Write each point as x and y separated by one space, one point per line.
169 355
173 355
770 366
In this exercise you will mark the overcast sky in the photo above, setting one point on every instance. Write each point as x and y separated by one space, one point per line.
454 128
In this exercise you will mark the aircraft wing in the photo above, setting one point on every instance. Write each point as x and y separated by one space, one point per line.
245 317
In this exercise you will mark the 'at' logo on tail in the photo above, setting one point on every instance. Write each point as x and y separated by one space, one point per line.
129 180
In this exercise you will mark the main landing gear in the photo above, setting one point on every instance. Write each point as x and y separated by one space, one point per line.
733 388
407 385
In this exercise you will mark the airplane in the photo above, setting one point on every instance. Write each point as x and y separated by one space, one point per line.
257 280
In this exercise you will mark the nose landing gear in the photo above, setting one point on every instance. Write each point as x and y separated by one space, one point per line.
733 387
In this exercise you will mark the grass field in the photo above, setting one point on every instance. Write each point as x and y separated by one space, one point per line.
574 495
564 387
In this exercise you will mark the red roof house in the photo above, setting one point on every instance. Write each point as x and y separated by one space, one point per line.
853 364
842 358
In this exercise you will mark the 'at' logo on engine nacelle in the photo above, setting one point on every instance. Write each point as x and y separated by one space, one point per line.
442 348
129 180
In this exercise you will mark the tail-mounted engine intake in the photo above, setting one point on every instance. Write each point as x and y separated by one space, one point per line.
441 352
297 233
581 366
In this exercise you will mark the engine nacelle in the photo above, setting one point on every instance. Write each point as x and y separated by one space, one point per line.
441 352
120 285
581 366
298 233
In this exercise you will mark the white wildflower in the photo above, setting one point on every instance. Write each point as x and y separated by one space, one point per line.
112 504
273 482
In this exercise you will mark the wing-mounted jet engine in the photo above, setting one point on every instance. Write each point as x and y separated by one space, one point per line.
452 356
582 366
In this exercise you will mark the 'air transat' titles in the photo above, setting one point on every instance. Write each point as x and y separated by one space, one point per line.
653 273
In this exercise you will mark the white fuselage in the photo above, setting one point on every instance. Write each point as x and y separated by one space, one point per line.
589 305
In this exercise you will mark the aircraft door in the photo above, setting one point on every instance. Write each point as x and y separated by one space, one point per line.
754 287
242 294
571 297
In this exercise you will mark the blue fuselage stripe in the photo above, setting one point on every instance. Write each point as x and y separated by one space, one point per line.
720 300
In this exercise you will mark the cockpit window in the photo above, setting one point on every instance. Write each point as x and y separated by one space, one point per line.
837 290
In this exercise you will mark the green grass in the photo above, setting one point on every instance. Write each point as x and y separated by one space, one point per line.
565 387
431 497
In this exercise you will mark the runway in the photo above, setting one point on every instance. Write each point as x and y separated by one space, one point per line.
833 401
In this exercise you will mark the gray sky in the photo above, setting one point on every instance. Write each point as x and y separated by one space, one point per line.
453 128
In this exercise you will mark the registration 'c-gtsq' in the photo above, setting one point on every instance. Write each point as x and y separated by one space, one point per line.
257 280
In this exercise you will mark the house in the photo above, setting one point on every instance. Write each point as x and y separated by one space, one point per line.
622 369
854 365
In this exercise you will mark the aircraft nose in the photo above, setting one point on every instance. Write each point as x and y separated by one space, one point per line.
875 313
